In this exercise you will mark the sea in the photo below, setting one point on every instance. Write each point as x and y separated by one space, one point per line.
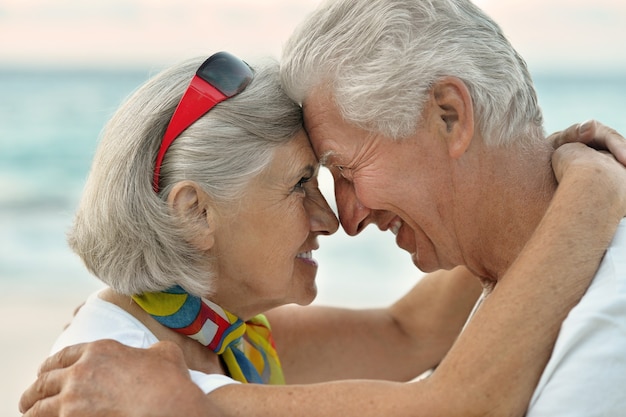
50 121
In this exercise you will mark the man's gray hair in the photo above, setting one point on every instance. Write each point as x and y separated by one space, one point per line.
123 231
380 59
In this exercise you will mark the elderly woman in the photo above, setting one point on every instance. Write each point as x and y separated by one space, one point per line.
219 229
201 221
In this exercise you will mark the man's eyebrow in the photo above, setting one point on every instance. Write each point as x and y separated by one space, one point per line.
325 157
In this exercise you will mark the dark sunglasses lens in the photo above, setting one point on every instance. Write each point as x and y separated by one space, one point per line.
226 72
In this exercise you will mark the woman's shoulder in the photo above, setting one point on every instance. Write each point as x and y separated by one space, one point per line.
98 319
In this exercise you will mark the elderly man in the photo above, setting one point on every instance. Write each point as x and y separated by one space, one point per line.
467 181
428 120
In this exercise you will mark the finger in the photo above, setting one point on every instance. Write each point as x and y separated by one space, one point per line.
602 137
48 407
62 359
616 144
597 135
583 132
47 385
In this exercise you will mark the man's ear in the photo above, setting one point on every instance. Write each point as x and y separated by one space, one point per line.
192 205
454 108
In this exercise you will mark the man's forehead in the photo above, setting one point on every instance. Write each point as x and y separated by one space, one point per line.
314 114
323 145
319 107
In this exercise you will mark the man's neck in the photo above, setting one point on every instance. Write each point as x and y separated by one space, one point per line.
515 189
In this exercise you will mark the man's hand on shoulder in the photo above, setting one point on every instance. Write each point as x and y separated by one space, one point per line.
106 378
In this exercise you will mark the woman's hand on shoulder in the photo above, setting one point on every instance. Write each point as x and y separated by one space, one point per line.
595 135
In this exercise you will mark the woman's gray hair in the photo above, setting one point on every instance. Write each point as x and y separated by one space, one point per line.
380 59
123 231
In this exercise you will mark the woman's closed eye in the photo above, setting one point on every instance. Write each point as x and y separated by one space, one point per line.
300 185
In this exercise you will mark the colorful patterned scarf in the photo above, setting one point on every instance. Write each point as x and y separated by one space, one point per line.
246 348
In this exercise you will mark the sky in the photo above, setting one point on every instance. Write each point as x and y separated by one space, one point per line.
564 35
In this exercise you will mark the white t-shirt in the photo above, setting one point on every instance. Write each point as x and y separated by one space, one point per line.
98 319
586 375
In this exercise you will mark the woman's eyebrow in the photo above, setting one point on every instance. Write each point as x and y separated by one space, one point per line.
309 170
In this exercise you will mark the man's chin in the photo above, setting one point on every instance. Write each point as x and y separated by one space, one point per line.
420 265
424 265
404 242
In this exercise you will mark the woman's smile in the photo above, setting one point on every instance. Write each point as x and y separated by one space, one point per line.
307 257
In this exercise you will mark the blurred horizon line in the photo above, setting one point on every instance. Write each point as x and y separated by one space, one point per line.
152 68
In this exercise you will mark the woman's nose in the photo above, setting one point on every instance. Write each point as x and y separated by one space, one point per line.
322 217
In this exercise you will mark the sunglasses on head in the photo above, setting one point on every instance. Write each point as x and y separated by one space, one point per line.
220 77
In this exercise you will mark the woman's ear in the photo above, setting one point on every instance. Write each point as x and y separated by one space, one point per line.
455 111
193 206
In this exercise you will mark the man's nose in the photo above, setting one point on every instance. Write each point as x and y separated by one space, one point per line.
353 216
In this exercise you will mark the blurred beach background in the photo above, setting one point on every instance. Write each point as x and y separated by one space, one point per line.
66 65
